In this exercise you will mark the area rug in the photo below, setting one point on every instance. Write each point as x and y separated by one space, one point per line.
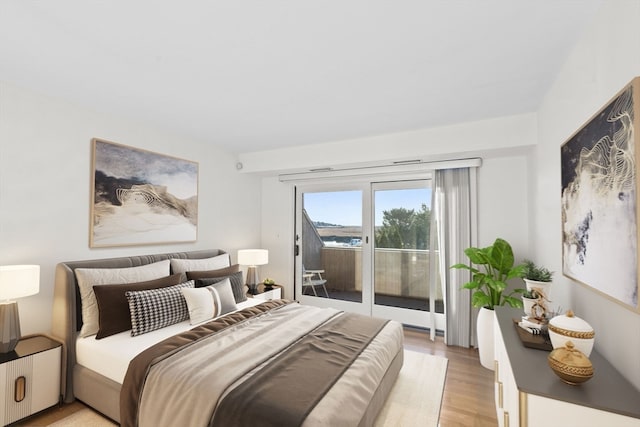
414 400
416 397
84 418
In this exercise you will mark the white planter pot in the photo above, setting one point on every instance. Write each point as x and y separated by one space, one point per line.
484 330
544 286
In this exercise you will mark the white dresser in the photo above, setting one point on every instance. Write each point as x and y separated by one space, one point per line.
529 394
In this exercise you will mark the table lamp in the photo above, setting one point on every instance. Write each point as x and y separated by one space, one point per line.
16 281
253 258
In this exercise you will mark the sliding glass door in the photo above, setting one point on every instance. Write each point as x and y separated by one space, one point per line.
329 236
366 248
402 254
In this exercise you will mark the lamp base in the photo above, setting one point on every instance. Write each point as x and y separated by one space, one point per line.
9 326
252 280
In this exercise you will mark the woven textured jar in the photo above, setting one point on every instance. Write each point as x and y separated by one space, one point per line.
570 364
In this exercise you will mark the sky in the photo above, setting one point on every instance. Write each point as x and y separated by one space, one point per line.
345 207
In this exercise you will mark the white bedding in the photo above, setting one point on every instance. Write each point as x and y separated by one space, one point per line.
111 356
219 369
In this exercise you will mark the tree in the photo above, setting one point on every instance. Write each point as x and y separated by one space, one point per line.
404 229
423 227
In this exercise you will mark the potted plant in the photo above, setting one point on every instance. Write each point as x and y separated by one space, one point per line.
537 278
268 283
491 268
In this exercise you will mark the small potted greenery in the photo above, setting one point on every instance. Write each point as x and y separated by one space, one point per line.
537 278
268 283
491 268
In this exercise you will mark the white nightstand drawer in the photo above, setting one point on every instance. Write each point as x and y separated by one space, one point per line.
275 293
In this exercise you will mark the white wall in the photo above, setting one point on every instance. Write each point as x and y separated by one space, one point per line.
464 140
504 144
45 167
605 60
503 209
278 217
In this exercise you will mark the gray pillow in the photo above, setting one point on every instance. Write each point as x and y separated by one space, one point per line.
236 285
183 265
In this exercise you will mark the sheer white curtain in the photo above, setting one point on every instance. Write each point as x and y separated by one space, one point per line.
455 221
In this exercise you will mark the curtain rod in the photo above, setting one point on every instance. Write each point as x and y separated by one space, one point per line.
400 167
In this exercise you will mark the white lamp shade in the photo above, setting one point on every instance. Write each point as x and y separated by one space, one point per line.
253 256
17 281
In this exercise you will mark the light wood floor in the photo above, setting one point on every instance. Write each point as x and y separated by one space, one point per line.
468 392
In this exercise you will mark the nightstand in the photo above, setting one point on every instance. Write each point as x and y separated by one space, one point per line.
29 378
275 293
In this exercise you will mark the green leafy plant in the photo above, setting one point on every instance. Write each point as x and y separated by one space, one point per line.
537 273
494 267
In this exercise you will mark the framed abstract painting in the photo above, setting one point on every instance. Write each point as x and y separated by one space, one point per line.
600 200
141 198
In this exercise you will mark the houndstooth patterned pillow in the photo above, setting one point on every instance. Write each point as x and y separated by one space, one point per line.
156 308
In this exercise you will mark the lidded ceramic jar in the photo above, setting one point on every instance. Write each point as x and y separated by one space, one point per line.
570 364
569 327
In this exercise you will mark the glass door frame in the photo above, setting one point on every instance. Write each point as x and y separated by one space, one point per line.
405 315
363 307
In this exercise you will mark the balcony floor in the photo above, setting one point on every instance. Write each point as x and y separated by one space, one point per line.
389 300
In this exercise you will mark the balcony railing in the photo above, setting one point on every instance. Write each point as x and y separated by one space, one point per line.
398 272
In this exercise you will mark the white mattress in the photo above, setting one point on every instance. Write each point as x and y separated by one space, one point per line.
111 356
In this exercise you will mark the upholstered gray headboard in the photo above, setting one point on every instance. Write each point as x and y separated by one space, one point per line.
66 301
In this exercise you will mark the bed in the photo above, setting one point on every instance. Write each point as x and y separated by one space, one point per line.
143 379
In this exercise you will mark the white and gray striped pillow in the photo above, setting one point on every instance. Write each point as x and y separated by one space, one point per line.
209 302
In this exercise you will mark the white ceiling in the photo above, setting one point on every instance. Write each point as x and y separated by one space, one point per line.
249 75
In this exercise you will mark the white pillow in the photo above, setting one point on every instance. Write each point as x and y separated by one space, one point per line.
89 277
209 302
184 265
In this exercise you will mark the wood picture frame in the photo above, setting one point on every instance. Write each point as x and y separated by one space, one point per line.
140 197
600 200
